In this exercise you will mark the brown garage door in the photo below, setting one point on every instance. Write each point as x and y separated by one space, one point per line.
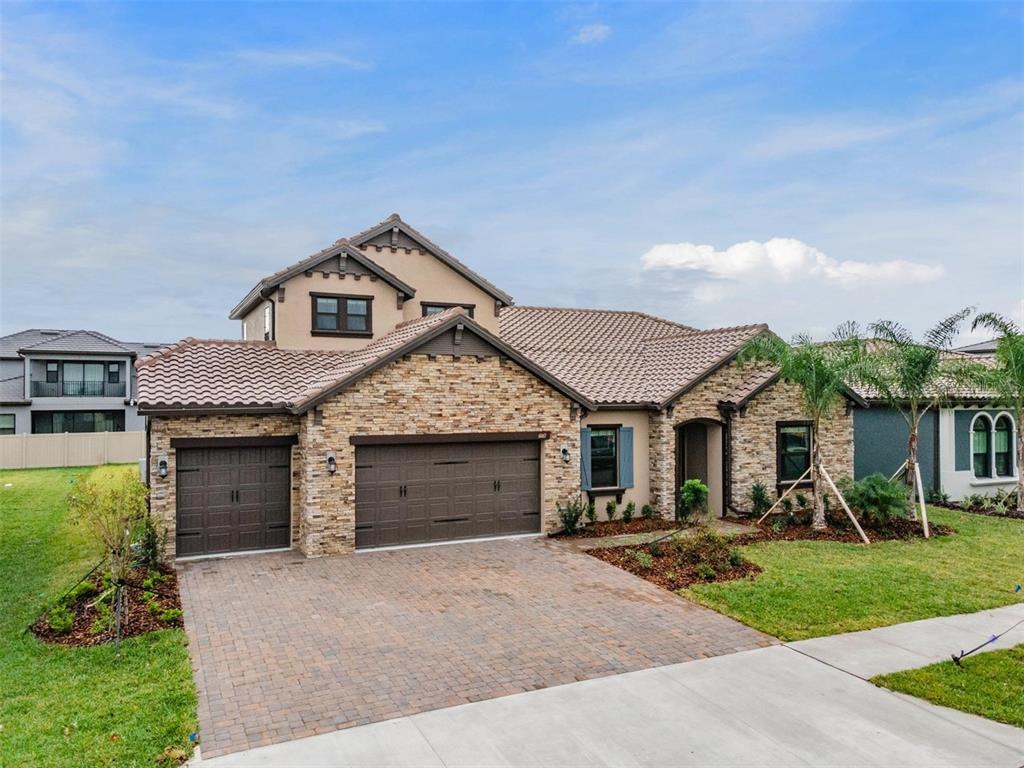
233 499
412 494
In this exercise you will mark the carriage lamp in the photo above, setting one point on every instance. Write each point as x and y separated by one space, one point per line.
332 463
565 454
161 466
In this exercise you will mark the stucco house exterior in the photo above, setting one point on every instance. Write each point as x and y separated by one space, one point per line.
54 381
384 393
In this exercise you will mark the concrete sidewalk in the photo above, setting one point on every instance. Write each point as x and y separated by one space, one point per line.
767 707
916 643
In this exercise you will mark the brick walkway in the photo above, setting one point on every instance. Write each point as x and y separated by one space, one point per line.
284 647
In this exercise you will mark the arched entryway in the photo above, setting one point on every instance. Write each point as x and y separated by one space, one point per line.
699 455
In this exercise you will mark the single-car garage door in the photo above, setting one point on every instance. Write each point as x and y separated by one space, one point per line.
233 499
412 494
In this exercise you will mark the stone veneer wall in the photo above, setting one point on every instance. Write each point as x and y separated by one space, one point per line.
752 437
163 490
428 394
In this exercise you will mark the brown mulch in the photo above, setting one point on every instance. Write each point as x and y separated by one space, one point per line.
839 529
666 570
618 528
958 507
135 620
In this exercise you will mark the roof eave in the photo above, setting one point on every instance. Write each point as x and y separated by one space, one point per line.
209 410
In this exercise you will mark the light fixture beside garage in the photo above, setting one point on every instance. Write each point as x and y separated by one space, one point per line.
332 462
161 466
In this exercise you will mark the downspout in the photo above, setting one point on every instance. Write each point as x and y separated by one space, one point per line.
726 461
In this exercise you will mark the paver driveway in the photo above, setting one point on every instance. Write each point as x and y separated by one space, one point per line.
284 647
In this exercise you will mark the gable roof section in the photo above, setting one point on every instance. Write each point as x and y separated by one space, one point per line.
621 358
341 247
12 391
82 342
394 223
199 376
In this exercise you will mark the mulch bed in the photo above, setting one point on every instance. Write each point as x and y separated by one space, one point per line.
840 530
618 528
666 570
956 506
135 620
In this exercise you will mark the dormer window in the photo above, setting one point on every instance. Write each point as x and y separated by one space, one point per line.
340 315
436 307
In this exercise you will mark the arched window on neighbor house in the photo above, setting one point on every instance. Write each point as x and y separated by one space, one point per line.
981 445
1003 446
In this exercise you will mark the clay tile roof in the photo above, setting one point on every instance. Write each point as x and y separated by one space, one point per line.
754 383
79 341
213 374
620 357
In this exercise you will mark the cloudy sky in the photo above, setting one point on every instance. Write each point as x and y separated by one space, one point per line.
796 164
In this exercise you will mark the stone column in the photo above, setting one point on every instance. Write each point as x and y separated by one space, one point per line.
662 447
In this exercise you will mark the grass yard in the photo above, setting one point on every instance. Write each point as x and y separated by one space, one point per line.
989 684
64 706
811 588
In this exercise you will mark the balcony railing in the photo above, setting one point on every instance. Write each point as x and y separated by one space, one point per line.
77 389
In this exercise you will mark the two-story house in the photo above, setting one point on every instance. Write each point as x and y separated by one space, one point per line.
54 381
383 393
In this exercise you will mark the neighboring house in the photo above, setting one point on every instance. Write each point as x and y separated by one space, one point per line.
986 348
384 394
54 381
965 447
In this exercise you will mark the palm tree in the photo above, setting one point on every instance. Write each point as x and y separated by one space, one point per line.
1006 379
821 372
912 376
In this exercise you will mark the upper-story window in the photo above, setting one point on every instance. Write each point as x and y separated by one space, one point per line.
113 373
52 373
981 446
268 331
436 307
341 315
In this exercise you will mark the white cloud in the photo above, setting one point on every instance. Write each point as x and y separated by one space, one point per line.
589 34
305 59
784 260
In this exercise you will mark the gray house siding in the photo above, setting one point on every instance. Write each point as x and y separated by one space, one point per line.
880 443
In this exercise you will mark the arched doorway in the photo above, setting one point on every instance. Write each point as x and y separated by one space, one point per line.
699 452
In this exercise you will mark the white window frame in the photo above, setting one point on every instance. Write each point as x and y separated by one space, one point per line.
268 330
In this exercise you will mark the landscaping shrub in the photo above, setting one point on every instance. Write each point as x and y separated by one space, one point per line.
787 505
114 515
937 496
591 512
171 614
703 546
152 579
647 512
77 592
569 515
779 524
693 499
654 548
104 618
801 499
736 558
60 619
152 542
877 498
610 509
643 559
628 512
760 500
706 572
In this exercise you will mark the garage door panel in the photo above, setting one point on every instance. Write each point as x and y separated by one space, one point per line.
231 499
451 491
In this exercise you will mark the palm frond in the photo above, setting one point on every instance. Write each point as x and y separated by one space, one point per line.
891 332
1001 325
943 333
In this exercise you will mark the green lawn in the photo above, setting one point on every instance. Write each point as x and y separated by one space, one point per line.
809 589
989 684
76 706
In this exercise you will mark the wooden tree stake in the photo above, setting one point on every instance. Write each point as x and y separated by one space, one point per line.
920 498
788 491
842 501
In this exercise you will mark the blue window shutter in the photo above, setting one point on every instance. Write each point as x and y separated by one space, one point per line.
625 457
962 457
585 458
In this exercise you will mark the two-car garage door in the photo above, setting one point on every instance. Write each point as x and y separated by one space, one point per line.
413 494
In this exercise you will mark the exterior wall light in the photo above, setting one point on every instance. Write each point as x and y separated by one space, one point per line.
332 462
566 458
161 466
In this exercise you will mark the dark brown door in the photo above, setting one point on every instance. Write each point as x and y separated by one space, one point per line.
233 499
413 494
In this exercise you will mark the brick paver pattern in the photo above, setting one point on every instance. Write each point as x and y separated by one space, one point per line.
283 647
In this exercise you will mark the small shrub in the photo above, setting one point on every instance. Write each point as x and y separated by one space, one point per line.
801 499
85 589
104 618
706 573
154 607
148 596
760 501
647 512
779 524
736 558
937 496
693 499
591 513
628 511
569 515
703 546
610 509
171 614
878 498
60 619
654 548
787 505
643 559
154 578
152 542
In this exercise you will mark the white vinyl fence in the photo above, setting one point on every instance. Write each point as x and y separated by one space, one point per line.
71 449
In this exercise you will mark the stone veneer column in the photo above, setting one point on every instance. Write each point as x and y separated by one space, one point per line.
661 445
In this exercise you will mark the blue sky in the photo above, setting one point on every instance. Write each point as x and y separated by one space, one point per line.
717 164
